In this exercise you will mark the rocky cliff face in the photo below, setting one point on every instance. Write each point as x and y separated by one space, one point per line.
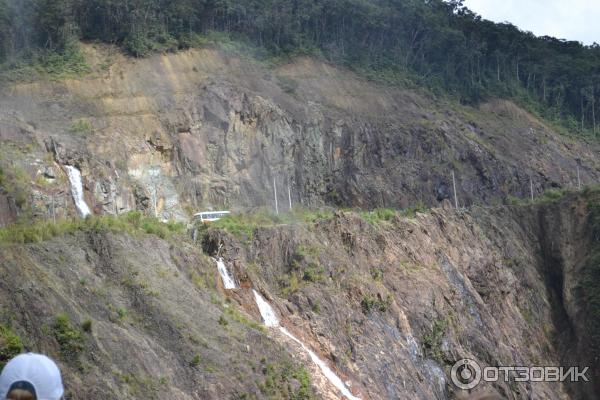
389 304
207 128
396 304
138 317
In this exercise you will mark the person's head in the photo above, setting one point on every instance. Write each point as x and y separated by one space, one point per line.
31 377
21 394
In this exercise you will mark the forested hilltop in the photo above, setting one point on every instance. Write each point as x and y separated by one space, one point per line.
435 43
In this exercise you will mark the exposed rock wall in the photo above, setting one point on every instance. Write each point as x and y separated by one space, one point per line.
394 306
391 305
206 128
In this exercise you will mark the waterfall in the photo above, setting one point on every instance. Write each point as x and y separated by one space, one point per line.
77 190
228 281
270 319
266 312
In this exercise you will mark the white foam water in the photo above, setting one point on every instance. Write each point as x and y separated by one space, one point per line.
227 279
270 319
266 312
77 190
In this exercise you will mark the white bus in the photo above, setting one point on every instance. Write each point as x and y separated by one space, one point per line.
210 216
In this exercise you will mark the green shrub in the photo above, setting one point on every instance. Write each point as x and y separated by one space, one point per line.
81 127
515 201
411 212
70 339
377 274
378 215
195 361
278 379
86 326
371 303
432 340
16 182
313 273
70 63
122 313
10 345
289 284
551 195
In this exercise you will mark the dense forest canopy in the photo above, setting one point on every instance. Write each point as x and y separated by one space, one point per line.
437 43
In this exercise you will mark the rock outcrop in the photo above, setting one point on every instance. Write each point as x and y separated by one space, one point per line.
390 304
206 128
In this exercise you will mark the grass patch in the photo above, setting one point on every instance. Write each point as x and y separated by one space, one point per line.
378 215
10 345
387 215
243 225
237 316
548 196
133 223
81 127
203 280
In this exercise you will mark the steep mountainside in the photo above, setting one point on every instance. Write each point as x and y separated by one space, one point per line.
389 300
390 303
204 128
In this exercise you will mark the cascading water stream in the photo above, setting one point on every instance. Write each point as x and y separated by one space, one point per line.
266 312
77 190
270 319
227 279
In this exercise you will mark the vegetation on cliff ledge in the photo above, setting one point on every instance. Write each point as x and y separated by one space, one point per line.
132 222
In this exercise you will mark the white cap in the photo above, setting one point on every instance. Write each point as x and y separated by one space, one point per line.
40 371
